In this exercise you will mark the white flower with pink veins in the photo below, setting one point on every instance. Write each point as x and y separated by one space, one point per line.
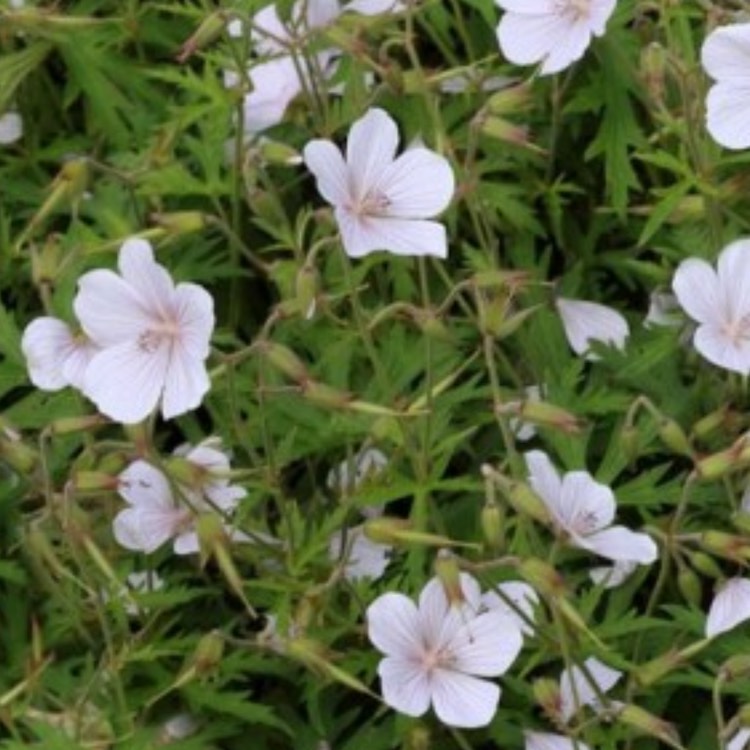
554 33
153 337
438 651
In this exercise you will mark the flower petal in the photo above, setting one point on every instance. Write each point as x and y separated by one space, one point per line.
461 700
726 53
619 543
45 344
611 576
585 505
145 529
521 596
142 484
393 626
150 281
740 740
185 383
486 645
275 84
527 38
544 479
728 114
404 685
193 309
11 128
733 270
418 185
370 147
571 44
576 689
713 343
546 741
588 321
325 161
730 607
696 287
186 543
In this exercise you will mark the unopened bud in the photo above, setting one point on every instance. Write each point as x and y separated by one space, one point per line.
674 437
46 262
547 696
20 457
94 481
643 721
315 656
180 222
718 465
498 277
306 287
503 130
545 414
510 100
629 440
690 586
449 575
326 396
275 152
284 359
705 564
542 577
491 521
526 501
493 307
208 653
736 667
418 738
67 425
653 68
399 531
652 671
729 546
208 32
708 425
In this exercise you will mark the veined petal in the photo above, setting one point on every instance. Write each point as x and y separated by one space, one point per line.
125 382
418 185
611 576
523 598
325 161
367 559
726 53
461 700
546 741
142 484
528 7
487 645
544 479
363 235
588 321
733 271
696 287
439 619
576 689
393 626
730 607
585 505
145 529
46 344
716 346
619 543
572 42
527 38
194 312
150 282
405 686
186 543
275 84
371 147
739 740
728 114
185 383
374 7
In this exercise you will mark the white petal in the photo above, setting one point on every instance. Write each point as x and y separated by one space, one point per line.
439 619
544 479
366 559
418 185
576 689
728 114
375 7
46 344
730 607
696 287
145 530
393 626
571 45
463 701
361 236
663 310
405 686
275 84
150 281
268 34
740 740
528 7
611 576
526 38
585 505
76 362
717 347
142 484
185 383
726 53
109 309
125 382
486 645
522 596
370 148
733 270
619 543
11 128
187 543
325 161
589 321
546 741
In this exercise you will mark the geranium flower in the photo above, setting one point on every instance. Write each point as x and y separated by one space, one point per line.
720 302
381 202
436 653
523 598
577 691
554 33
153 336
726 57
11 128
56 357
582 510
155 515
585 322
730 607
547 741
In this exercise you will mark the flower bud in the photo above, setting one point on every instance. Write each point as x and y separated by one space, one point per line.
705 564
510 100
315 656
326 396
94 481
736 667
210 29
284 359
306 287
275 152
547 415
180 222
653 69
399 531
689 585
629 440
491 521
20 457
643 721
503 130
498 277
729 546
449 575
673 436
542 577
493 307
547 695
67 425
46 262
208 653
652 671
718 465
417 738
526 501
708 425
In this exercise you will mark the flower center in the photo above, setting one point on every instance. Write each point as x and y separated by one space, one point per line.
152 338
373 203
574 9
738 331
586 523
437 659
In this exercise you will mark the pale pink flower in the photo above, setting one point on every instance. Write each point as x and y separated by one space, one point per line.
585 322
153 335
554 33
583 510
547 741
719 301
516 600
436 653
730 607
11 128
577 691
56 357
382 202
726 58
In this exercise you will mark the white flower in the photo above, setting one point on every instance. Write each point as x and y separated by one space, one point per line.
179 727
11 128
739 740
730 607
726 58
365 558
155 515
154 337
436 652
583 510
349 475
469 80
555 33
720 302
663 310
382 201
546 741
375 7
272 36
589 321
521 596
577 691
612 576
55 356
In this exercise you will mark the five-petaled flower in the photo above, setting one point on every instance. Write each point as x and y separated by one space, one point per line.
152 335
726 58
554 33
382 202
437 651
583 510
720 302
